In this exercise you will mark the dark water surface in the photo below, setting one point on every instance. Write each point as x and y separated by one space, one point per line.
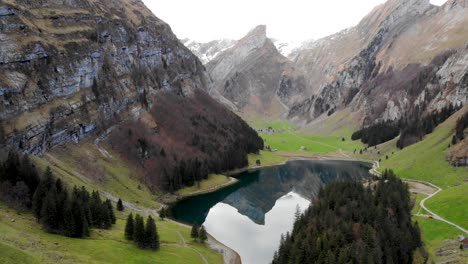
250 216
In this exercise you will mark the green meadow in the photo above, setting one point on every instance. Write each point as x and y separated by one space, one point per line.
23 241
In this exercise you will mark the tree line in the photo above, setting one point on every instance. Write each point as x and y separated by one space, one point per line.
195 136
18 181
348 223
377 133
70 214
198 233
462 124
145 237
411 128
59 211
417 125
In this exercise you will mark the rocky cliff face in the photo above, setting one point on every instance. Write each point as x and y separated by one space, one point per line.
255 76
402 55
74 68
53 51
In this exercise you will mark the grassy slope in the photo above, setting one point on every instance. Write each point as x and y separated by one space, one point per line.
10 254
416 207
22 241
422 161
425 161
266 159
84 165
452 204
213 181
434 233
291 140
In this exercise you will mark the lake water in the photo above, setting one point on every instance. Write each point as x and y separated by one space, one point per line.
251 215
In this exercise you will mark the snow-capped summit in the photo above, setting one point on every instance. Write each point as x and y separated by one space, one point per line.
290 48
209 50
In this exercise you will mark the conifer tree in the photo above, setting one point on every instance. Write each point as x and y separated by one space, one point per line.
41 192
49 214
162 213
139 231
194 232
129 227
151 234
120 206
105 217
68 221
62 200
30 175
202 234
98 213
110 211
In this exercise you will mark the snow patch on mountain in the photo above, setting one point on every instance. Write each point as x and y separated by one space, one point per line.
209 50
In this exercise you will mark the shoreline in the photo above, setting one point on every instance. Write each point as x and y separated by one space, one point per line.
231 181
290 157
230 256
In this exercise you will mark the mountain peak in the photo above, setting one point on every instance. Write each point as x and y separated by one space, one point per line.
451 4
409 6
259 30
255 39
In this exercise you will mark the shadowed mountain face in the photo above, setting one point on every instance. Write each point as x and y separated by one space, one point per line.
258 191
70 69
401 55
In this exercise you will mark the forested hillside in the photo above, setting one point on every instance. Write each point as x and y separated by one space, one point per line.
352 224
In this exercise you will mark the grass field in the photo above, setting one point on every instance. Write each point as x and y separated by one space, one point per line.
266 159
291 140
417 199
84 165
12 255
213 181
451 204
23 241
434 233
426 161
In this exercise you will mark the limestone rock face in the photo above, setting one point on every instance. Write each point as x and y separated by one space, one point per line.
69 68
401 55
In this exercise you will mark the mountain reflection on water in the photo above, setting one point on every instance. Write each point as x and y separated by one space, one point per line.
251 216
257 191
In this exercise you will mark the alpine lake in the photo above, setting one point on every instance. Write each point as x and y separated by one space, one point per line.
251 215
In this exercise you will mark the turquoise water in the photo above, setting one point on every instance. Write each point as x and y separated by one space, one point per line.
250 216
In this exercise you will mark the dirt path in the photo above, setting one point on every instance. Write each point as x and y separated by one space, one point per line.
423 188
229 255
428 189
310 155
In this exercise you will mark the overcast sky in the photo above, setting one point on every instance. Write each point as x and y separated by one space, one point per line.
286 20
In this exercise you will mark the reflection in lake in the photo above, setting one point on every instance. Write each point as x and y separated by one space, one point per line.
250 216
